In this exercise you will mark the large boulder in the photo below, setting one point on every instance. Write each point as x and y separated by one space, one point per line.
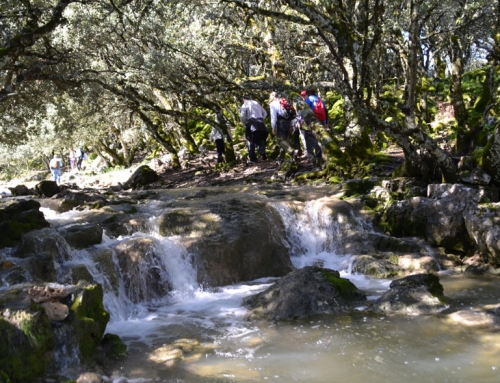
439 220
18 217
68 199
232 240
483 225
47 189
143 176
306 292
21 190
42 252
142 269
82 236
37 323
412 295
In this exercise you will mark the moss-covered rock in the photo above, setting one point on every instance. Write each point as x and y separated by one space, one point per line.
415 294
89 319
143 176
306 292
27 342
113 346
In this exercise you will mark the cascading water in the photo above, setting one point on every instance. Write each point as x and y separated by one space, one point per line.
313 235
196 335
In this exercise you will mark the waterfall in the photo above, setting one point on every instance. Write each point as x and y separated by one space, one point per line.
314 236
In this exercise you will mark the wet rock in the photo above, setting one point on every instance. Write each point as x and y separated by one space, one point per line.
113 346
56 311
143 271
231 240
412 295
17 218
488 316
67 200
440 222
29 337
45 241
82 236
483 225
40 294
47 189
305 292
21 190
89 377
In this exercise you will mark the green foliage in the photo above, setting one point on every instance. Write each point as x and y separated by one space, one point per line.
132 74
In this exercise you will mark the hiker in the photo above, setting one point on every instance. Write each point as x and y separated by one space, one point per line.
252 116
218 138
55 165
311 145
317 105
79 158
281 127
72 158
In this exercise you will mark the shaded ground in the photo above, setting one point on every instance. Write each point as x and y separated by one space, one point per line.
202 171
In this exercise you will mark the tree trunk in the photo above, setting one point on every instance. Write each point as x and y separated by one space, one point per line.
153 129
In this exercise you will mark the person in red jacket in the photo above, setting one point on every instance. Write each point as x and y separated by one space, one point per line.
317 105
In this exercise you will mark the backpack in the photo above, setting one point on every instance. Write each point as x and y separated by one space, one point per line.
54 163
287 111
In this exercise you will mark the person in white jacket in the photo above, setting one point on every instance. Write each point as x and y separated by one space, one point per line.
252 115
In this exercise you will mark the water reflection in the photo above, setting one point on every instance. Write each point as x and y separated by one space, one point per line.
223 346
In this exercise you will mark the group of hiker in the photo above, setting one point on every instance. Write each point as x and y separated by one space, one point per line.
289 127
75 159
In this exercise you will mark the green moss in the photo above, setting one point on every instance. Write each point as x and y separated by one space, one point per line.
27 340
344 286
91 319
113 346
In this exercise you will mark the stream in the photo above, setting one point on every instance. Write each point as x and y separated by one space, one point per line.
202 335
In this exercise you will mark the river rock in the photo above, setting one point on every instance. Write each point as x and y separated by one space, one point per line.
67 200
82 236
487 316
412 295
308 291
47 189
143 176
231 240
89 377
18 217
21 190
31 341
47 293
47 241
56 311
440 222
142 270
483 225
